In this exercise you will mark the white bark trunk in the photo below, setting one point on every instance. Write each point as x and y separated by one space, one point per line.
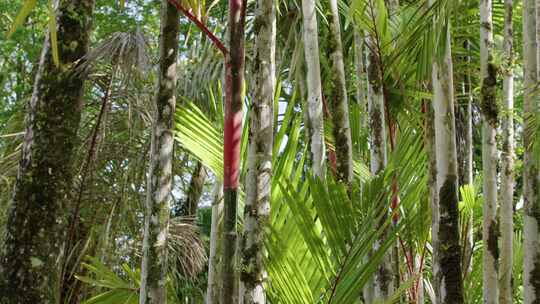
261 139
507 181
489 155
447 269
383 279
154 263
339 100
212 291
361 87
315 109
531 180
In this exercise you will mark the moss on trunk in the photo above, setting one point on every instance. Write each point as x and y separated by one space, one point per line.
36 225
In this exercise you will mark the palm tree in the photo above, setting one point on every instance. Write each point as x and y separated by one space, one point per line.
507 158
158 202
234 80
488 74
445 228
338 99
35 232
531 172
261 144
314 94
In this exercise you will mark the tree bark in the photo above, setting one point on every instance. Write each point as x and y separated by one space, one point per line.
261 142
465 149
154 262
338 99
314 91
195 189
383 285
212 291
445 231
507 179
234 78
531 179
31 255
488 72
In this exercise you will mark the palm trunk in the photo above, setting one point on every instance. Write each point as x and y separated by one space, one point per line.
35 232
507 180
234 79
361 86
212 291
154 261
196 185
338 100
531 180
314 93
488 73
445 231
383 286
466 173
261 141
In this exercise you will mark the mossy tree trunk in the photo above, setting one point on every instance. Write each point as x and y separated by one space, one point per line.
338 99
445 228
261 142
507 158
32 251
531 178
383 285
154 263
488 75
314 91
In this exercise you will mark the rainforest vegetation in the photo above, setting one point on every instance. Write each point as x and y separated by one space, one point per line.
269 151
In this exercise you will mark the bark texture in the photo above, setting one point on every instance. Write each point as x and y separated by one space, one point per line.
488 103
445 231
154 262
198 177
31 254
339 100
314 91
531 179
234 80
261 142
212 291
465 159
507 158
383 285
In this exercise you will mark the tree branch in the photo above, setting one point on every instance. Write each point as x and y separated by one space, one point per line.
217 42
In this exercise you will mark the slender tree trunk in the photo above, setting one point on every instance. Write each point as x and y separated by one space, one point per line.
531 180
234 79
445 231
361 96
339 100
31 254
507 180
361 85
261 142
383 286
195 189
488 73
314 93
466 174
433 197
212 291
156 227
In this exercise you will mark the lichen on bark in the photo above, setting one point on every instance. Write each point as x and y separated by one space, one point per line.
36 225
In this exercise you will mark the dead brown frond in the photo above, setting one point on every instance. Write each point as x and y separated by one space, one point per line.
128 50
